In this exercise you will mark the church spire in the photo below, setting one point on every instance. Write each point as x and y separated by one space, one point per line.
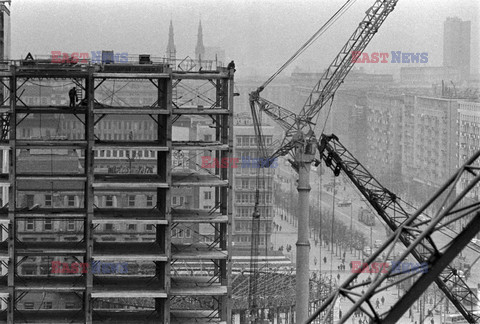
200 49
171 50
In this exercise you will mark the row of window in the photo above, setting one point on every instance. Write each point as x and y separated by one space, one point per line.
247 226
72 226
114 125
181 233
75 201
247 239
46 305
248 211
111 200
247 140
253 183
117 137
264 198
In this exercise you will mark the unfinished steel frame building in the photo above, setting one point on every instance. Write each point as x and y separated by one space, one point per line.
161 296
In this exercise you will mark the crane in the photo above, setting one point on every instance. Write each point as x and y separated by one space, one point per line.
396 214
300 139
415 231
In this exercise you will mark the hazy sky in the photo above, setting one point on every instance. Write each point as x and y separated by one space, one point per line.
258 34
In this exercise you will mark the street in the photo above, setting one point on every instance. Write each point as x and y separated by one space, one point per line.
327 261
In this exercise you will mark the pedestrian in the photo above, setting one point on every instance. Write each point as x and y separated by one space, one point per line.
338 276
325 259
432 321
350 264
73 97
383 300
339 314
377 303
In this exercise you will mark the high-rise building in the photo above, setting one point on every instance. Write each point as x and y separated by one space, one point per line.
456 45
248 177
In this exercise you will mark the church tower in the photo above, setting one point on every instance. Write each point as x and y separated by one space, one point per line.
171 50
200 49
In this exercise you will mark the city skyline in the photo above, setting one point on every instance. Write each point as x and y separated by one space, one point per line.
260 37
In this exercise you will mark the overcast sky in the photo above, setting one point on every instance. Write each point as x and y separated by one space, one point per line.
260 35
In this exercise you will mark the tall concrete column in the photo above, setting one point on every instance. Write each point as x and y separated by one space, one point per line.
303 160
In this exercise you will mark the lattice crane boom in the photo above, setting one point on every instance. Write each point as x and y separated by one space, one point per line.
396 213
332 78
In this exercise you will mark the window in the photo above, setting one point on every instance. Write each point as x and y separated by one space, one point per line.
109 201
29 225
174 232
181 200
48 200
245 183
30 200
71 201
47 305
48 226
149 227
108 227
29 269
132 227
180 233
69 305
71 225
174 200
188 233
207 195
207 207
208 138
149 201
131 201
28 305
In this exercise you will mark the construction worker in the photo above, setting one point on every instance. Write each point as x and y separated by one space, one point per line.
73 97
231 66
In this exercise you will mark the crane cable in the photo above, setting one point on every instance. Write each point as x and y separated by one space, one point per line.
310 41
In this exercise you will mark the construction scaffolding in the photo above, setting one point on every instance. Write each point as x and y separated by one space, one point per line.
160 289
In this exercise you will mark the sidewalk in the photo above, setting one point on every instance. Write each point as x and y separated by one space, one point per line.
318 255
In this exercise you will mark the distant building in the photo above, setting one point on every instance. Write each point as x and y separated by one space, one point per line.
246 183
435 141
384 136
429 75
468 137
456 45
